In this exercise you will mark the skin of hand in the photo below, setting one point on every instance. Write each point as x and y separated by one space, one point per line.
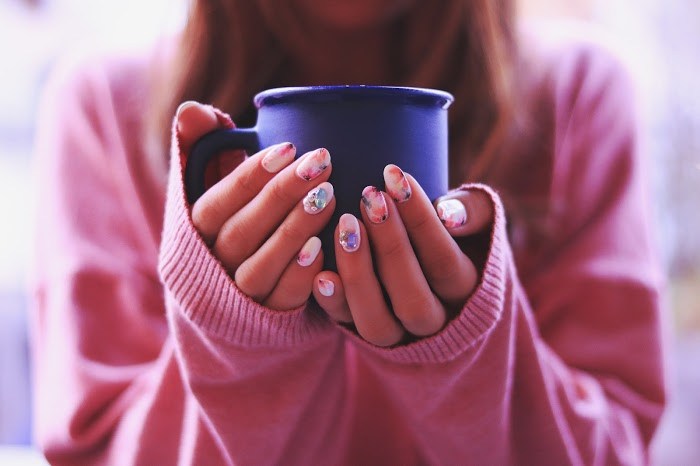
261 217
401 270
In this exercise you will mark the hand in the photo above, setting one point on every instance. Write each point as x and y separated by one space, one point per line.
261 216
403 249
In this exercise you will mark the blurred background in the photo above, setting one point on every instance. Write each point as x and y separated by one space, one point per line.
658 39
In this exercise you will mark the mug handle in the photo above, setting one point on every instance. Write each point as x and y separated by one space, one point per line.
210 145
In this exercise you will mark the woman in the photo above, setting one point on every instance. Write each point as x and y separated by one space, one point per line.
159 341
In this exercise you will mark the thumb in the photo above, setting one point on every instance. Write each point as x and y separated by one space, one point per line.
194 120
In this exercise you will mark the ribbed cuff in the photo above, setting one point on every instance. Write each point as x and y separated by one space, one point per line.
479 315
204 291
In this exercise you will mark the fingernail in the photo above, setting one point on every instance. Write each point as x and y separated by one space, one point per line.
278 157
313 164
452 213
396 183
309 252
318 198
326 287
349 237
183 106
375 204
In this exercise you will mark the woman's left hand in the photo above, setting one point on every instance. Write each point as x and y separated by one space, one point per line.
400 271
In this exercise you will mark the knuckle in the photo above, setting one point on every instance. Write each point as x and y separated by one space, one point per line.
384 335
393 251
291 232
244 186
350 274
250 283
293 295
279 194
422 223
204 214
418 315
443 266
232 246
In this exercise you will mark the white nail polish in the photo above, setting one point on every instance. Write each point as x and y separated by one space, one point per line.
318 198
278 157
375 205
349 237
313 164
396 184
326 287
309 252
452 213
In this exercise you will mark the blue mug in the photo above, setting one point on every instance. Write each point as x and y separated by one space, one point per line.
363 127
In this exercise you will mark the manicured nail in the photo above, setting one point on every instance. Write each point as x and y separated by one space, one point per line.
396 184
349 237
278 157
313 164
183 106
452 213
318 198
309 252
326 287
375 204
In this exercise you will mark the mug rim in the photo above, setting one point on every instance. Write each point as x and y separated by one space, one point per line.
413 95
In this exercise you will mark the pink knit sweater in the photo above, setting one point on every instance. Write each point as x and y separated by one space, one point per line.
146 352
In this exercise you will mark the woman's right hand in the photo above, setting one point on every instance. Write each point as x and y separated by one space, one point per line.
260 219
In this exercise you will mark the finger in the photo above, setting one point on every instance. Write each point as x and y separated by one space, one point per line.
228 196
465 212
221 165
259 274
412 300
373 318
295 285
330 295
243 233
194 120
450 273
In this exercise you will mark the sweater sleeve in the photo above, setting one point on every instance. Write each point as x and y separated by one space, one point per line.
568 370
148 358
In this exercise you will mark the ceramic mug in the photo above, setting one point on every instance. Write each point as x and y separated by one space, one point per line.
363 127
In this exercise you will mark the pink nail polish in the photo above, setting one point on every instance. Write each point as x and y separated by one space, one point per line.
396 184
326 287
349 237
318 198
183 106
375 204
278 157
309 252
452 213
313 164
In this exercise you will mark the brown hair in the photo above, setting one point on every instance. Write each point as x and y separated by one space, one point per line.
227 54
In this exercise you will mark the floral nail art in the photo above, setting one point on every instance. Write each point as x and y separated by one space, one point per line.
318 198
309 252
396 184
278 157
375 204
313 164
326 287
452 213
349 237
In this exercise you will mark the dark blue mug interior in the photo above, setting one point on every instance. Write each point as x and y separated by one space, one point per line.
363 127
